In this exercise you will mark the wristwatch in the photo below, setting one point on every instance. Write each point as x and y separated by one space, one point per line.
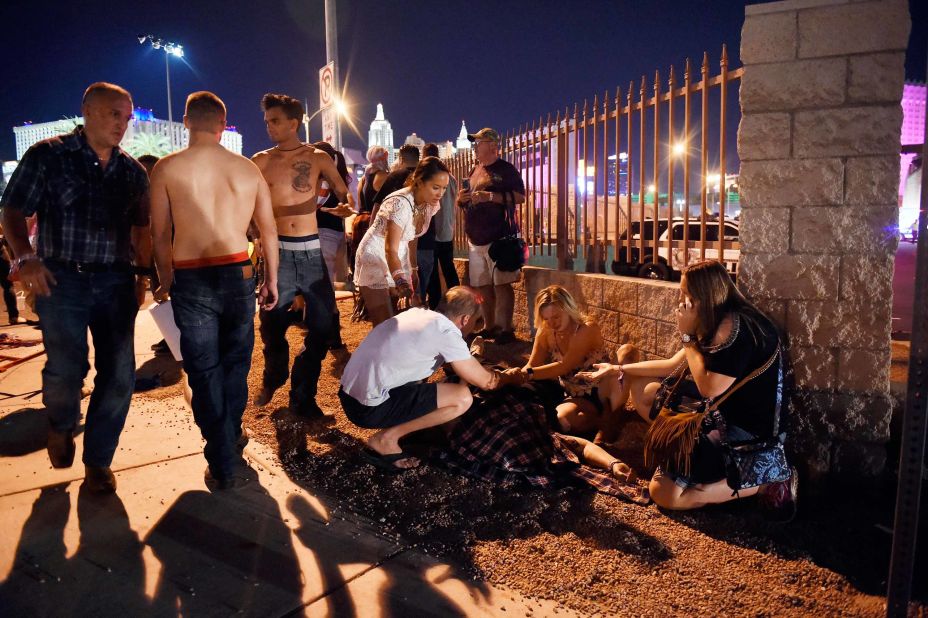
530 372
687 338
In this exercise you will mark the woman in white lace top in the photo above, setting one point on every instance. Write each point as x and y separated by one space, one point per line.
386 256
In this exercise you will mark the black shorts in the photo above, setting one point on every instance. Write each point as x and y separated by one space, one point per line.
406 403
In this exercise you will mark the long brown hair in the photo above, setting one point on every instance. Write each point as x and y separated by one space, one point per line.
716 296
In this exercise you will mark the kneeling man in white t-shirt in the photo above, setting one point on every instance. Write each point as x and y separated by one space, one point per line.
383 386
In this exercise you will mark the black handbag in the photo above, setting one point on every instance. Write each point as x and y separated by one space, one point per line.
509 252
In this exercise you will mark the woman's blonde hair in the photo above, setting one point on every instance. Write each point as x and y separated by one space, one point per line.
559 297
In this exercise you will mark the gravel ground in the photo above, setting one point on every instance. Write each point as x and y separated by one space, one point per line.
591 552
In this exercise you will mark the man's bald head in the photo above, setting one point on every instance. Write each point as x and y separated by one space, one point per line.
107 111
104 91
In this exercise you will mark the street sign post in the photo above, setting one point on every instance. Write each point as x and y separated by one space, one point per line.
327 85
329 125
327 96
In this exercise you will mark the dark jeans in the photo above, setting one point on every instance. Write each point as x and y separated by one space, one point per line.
444 259
105 303
9 297
300 272
425 260
214 308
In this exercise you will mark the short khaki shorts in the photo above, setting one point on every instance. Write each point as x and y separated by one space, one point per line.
482 270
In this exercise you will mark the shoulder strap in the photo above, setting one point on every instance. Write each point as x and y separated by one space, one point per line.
683 369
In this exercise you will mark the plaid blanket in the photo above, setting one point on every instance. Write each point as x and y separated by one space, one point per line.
505 437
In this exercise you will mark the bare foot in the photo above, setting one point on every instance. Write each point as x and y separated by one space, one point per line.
382 446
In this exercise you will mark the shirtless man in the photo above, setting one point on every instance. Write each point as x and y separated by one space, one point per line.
292 170
209 196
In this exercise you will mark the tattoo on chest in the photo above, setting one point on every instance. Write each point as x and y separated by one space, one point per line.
301 179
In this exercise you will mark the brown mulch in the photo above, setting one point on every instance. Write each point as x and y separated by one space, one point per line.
590 552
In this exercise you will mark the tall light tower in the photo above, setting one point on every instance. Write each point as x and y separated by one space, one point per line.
331 55
170 49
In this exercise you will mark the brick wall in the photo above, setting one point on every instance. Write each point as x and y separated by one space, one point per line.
627 310
819 145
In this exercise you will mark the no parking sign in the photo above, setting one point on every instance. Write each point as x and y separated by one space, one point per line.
327 96
327 85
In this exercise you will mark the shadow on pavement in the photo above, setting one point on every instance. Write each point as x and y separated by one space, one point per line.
436 512
105 576
160 370
25 431
206 541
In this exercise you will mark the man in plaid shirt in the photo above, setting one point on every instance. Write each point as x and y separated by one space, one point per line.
91 199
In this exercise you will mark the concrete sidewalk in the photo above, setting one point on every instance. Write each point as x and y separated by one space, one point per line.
164 545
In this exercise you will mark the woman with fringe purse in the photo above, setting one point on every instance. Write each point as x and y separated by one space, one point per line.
716 408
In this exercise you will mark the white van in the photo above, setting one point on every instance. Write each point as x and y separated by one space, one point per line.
671 263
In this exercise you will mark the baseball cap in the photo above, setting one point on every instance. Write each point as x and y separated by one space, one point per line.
485 134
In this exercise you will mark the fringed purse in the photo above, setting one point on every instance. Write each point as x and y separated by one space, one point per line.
673 434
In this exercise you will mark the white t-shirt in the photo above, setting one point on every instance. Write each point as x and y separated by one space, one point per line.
406 348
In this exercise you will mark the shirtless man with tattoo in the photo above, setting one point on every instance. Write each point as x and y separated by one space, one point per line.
293 171
208 196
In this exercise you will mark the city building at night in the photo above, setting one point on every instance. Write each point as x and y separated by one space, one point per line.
463 143
145 134
415 140
446 149
381 133
913 124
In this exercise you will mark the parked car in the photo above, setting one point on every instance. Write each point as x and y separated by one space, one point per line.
630 268
669 265
678 259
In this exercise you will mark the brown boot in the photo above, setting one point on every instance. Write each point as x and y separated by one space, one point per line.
100 480
60 448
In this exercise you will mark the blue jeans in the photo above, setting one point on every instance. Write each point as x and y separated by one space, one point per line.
105 303
300 272
214 308
425 260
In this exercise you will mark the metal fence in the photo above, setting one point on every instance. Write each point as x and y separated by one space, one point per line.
613 182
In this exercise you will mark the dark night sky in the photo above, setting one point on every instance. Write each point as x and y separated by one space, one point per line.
490 62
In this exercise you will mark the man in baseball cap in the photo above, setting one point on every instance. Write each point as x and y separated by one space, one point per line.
485 134
489 204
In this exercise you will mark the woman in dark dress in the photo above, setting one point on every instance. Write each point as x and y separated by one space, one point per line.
724 339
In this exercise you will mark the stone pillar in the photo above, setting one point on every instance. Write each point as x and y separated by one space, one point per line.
819 144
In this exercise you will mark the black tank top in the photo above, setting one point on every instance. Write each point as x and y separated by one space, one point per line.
367 196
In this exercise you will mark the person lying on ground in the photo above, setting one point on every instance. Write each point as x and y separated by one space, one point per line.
732 354
383 386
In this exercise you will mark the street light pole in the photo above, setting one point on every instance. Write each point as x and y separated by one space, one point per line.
331 55
308 119
167 75
170 49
